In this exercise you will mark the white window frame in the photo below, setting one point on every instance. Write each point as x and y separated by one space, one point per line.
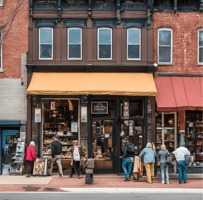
1 46
80 44
2 3
98 44
199 63
134 44
165 29
44 43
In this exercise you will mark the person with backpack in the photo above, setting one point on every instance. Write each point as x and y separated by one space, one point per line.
77 153
129 151
56 149
149 160
162 155
180 154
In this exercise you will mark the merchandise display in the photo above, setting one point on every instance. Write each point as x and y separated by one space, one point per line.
40 167
60 117
194 136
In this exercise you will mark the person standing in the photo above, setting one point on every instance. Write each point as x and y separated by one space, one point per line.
56 149
162 155
77 153
30 157
149 160
129 151
180 158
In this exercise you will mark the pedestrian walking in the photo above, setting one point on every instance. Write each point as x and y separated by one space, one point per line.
129 151
30 157
77 153
56 149
180 158
149 160
162 155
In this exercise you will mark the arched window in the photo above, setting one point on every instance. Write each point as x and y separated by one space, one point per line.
165 38
133 44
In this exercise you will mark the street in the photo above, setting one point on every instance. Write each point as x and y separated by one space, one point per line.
65 196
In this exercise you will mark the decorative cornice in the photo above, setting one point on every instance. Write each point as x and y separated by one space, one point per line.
128 23
75 22
46 22
110 22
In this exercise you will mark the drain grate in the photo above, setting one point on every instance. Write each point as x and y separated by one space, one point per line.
50 189
31 188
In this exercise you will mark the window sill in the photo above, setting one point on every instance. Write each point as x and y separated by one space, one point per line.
200 65
1 70
1 7
165 64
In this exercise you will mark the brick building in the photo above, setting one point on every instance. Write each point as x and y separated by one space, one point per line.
178 39
13 76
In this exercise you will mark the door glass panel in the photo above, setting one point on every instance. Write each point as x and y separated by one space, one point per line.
102 143
133 129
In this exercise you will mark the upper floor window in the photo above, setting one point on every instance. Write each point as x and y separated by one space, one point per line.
165 46
133 44
104 43
46 43
0 51
200 47
74 43
1 2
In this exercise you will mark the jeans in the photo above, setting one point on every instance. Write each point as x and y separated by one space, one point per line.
127 161
76 166
31 163
182 168
164 172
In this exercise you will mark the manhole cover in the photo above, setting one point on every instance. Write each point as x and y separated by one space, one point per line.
31 188
50 189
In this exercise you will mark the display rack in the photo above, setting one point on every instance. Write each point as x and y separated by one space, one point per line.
40 167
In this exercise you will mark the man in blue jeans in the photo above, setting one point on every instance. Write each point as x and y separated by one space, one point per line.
180 158
127 161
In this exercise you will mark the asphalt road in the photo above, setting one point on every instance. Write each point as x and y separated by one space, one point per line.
68 196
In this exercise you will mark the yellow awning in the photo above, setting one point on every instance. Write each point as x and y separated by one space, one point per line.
131 84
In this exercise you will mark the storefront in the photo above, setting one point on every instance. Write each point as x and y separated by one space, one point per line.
99 115
179 117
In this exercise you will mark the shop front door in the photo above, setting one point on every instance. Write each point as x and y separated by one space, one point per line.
103 145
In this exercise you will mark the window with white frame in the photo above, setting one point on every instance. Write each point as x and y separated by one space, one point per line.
1 2
45 43
104 44
165 45
0 51
133 44
74 43
200 47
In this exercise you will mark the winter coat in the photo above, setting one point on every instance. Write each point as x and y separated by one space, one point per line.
30 154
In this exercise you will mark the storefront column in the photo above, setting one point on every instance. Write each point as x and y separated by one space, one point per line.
29 119
181 126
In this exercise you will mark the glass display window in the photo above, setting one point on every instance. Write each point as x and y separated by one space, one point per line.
194 136
60 117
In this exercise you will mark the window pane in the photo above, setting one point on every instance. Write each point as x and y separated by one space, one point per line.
133 36
74 36
45 51
104 51
200 38
74 51
133 51
0 2
164 54
105 36
45 36
201 55
165 37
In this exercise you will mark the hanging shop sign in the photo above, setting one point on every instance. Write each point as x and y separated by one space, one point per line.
38 115
99 107
83 113
126 109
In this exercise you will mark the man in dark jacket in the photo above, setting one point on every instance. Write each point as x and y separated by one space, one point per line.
56 148
128 160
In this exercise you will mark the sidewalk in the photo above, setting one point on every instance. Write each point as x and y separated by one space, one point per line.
63 184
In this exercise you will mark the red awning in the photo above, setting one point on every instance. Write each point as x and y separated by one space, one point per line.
179 93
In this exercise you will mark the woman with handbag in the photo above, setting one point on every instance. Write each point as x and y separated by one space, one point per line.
162 155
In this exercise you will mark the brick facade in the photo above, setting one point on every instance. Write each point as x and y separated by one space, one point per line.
16 41
185 41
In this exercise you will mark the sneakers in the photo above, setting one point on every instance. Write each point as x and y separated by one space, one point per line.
61 175
185 181
167 182
162 182
127 179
